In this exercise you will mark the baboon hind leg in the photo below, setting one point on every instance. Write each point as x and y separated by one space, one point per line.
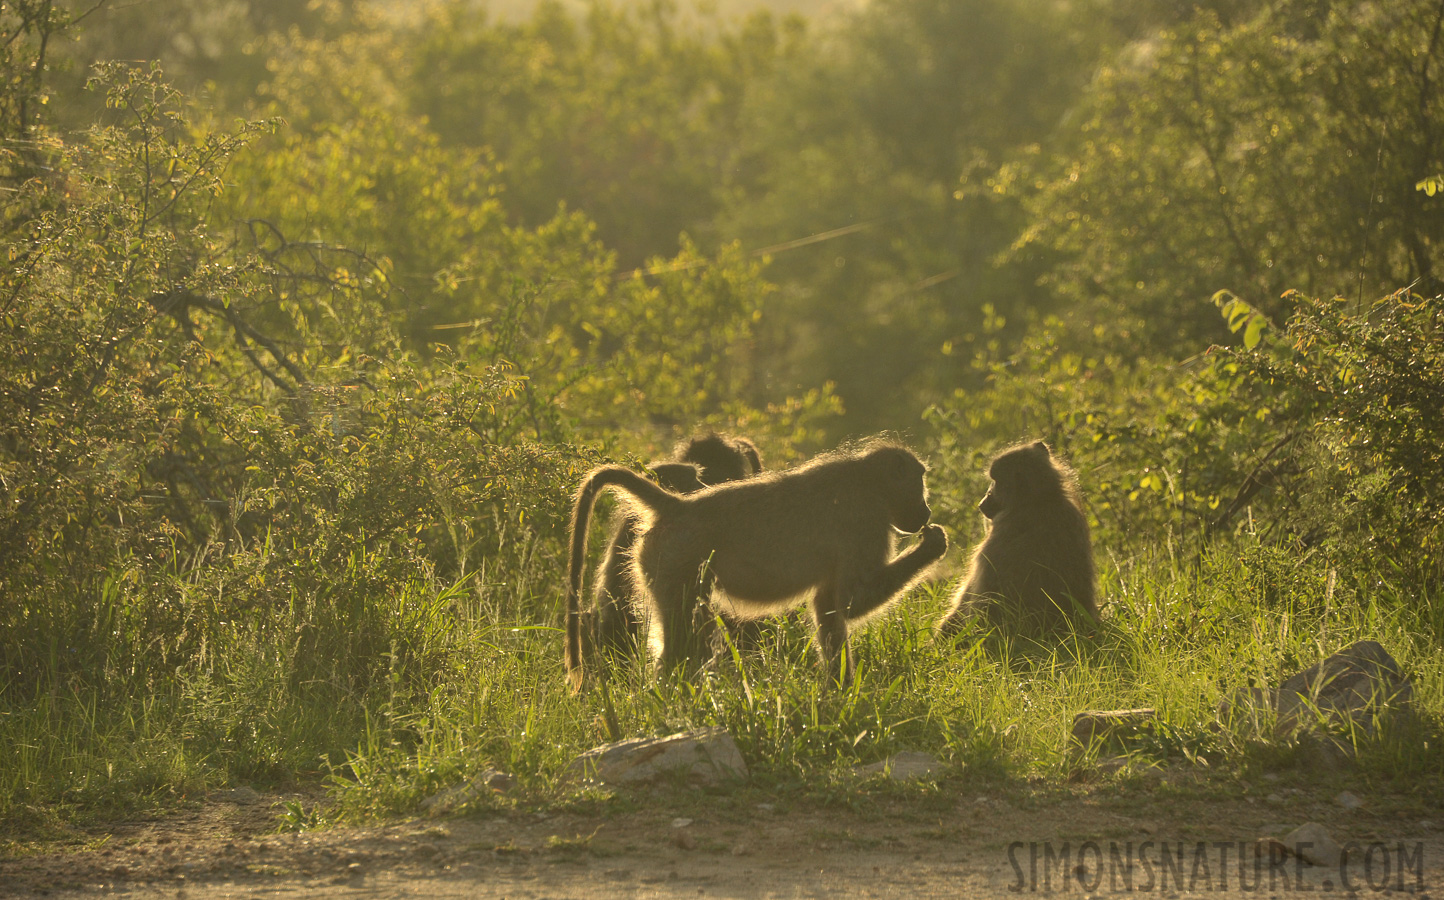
830 617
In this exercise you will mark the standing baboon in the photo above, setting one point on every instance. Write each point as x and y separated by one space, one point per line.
701 461
1034 571
827 528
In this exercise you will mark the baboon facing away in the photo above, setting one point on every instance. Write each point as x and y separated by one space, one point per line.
1033 573
701 461
827 528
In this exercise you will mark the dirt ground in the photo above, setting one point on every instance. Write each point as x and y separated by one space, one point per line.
883 842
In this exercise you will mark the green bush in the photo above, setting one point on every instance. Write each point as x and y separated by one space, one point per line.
1322 434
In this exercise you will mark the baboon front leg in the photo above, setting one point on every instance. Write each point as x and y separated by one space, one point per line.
975 598
968 606
831 620
867 594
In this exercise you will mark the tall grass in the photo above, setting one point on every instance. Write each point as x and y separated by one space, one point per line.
389 691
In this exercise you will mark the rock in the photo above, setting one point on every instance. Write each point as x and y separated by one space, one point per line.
1312 843
1348 800
1112 764
908 765
1324 753
1354 684
1098 726
1084 772
456 796
1271 848
1346 691
500 782
241 796
704 756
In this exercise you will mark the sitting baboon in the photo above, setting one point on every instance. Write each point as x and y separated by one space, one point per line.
1033 573
764 543
701 461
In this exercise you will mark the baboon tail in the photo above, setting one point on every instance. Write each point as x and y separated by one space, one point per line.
640 489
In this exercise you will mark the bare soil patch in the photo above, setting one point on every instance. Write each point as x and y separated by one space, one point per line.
949 841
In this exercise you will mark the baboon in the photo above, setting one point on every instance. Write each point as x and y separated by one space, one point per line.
1033 573
701 461
720 457
827 528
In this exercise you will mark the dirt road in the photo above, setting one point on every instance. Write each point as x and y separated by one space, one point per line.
949 841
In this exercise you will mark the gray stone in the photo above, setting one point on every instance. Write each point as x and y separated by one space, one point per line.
1346 691
1113 764
1353 684
1324 753
703 756
241 796
905 766
1098 726
1348 800
1271 848
458 795
1312 843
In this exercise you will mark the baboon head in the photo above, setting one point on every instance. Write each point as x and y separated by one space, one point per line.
904 482
678 477
1022 476
720 458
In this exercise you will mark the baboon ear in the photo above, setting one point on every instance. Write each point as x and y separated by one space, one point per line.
750 451
1042 450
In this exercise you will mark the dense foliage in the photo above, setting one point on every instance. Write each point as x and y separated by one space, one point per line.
308 327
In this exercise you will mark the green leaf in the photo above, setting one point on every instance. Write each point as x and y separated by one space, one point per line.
1254 332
